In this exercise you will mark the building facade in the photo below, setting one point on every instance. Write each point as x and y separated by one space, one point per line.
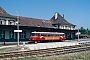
8 23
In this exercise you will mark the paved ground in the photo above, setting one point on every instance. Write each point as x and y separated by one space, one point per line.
51 44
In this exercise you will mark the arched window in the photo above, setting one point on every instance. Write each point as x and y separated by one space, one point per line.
11 22
2 22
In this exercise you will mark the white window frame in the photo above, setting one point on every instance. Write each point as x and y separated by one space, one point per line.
11 35
11 22
2 22
2 34
23 35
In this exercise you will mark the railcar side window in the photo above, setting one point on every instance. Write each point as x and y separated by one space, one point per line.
49 34
38 34
53 35
56 35
33 34
60 35
43 34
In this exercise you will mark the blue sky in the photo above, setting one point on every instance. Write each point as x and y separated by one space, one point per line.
73 10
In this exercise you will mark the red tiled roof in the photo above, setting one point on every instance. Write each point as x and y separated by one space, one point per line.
25 21
83 35
60 20
3 13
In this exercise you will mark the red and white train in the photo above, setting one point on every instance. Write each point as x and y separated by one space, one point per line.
47 36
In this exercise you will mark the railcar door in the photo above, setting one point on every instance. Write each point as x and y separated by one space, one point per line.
49 37
56 37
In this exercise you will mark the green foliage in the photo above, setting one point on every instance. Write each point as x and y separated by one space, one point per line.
73 56
84 31
2 49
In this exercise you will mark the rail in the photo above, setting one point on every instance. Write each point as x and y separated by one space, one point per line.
45 52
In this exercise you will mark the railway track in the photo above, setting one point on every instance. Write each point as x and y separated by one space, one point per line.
45 52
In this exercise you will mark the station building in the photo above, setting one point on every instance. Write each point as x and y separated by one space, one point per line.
8 23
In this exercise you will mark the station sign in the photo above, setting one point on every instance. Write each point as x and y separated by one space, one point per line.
17 30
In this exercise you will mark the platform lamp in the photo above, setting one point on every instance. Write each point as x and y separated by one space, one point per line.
78 32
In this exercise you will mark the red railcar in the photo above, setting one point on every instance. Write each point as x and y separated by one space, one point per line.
47 36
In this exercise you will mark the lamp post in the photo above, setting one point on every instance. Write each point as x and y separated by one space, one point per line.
17 27
78 31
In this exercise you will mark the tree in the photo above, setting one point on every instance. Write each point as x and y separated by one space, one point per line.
88 31
84 31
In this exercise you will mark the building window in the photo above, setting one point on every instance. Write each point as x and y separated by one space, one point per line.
11 22
2 34
2 22
11 34
23 35
46 23
56 26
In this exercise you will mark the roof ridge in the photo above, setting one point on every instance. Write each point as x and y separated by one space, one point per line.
3 13
60 19
31 18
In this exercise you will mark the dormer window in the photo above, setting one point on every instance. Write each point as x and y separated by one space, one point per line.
2 22
56 26
46 23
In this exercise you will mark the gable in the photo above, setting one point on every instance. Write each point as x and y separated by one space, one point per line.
60 20
3 13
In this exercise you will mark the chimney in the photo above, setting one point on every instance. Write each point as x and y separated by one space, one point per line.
56 15
63 16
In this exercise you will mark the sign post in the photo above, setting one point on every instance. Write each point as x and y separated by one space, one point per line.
17 28
18 35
